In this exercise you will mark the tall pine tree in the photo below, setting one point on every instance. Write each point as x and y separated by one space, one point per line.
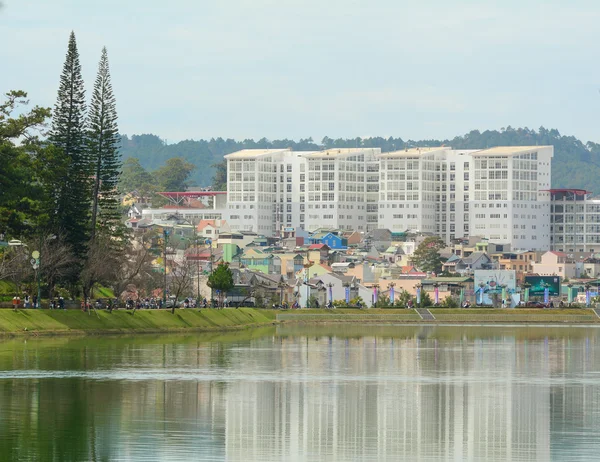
68 133
103 148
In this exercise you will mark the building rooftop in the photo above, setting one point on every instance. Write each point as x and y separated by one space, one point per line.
253 153
507 150
342 152
412 152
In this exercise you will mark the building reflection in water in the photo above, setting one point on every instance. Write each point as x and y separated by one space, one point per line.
399 394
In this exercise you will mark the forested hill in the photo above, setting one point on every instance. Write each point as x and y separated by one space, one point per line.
575 164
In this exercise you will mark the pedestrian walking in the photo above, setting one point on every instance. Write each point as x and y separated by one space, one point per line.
27 300
15 303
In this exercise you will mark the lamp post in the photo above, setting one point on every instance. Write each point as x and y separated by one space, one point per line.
375 293
504 294
419 287
547 294
481 286
281 286
208 242
347 292
588 300
391 289
36 255
297 293
307 265
526 286
330 287
436 293
165 239
569 293
461 294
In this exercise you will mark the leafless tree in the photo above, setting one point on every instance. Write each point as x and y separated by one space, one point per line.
56 260
134 265
181 280
100 265
15 266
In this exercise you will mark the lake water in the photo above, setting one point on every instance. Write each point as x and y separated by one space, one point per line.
342 392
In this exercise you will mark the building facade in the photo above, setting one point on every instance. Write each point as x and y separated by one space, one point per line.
575 221
500 194
269 190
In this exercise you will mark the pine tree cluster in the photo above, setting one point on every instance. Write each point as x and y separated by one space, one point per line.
86 198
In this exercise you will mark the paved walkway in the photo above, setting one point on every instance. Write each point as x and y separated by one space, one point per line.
425 314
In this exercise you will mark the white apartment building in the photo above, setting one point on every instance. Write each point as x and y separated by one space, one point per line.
260 185
342 189
272 189
575 221
500 194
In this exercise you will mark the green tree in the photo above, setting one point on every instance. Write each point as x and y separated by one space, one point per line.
13 128
103 141
221 279
427 255
20 192
68 133
134 177
173 176
219 181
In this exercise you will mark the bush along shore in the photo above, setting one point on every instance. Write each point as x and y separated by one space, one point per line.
32 321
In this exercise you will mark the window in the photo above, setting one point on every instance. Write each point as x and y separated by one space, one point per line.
289 167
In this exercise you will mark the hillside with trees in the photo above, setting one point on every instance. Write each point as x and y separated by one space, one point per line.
576 164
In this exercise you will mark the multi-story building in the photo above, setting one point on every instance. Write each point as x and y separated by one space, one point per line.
500 194
342 189
575 221
274 189
264 189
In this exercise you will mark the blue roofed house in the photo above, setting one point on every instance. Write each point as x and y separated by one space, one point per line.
333 238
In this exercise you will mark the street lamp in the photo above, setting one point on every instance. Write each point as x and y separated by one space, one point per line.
37 266
588 300
481 286
281 285
307 265
330 286
165 239
346 285
436 293
208 242
375 293
391 289
570 293
418 288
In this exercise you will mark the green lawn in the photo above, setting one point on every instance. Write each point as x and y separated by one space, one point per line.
126 321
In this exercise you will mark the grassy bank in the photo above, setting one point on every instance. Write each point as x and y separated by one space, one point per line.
442 315
121 321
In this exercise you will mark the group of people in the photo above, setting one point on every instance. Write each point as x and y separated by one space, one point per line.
27 301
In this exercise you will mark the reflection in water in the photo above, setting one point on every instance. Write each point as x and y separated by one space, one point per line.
398 392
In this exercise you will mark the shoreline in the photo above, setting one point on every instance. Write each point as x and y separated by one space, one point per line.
33 322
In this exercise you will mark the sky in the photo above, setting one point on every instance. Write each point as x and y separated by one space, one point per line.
191 69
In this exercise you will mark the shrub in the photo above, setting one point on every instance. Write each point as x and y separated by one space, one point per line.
450 302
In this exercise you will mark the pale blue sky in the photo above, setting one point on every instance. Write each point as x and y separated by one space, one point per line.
298 68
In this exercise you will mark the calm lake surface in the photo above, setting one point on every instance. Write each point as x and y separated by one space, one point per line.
342 392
